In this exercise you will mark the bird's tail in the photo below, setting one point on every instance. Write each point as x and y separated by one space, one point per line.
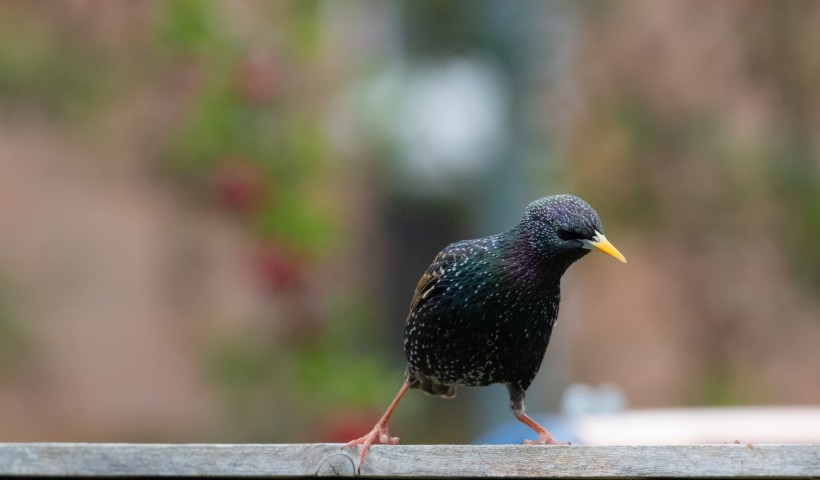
429 385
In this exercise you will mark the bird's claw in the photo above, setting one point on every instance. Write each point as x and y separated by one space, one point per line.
544 440
379 434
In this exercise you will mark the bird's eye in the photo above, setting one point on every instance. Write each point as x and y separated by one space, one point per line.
565 234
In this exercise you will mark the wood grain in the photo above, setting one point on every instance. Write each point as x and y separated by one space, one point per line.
248 460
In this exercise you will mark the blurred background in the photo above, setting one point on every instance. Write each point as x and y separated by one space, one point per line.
213 214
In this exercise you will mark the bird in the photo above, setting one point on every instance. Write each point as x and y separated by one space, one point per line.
483 311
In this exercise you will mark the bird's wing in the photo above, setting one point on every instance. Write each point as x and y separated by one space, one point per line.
428 281
440 273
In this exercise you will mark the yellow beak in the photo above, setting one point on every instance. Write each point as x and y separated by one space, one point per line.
600 242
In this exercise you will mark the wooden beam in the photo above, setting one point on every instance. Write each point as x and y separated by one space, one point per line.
248 460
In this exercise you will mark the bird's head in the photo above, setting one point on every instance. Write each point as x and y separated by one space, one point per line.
566 227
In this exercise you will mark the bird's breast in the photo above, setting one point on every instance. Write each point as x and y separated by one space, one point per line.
481 332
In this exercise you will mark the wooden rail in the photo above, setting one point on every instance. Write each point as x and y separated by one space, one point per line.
198 460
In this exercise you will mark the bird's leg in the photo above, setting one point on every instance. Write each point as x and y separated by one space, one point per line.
379 434
517 406
544 437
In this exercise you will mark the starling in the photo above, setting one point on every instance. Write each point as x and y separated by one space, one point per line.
483 312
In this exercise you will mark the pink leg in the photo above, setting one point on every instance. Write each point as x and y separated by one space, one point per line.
544 437
379 434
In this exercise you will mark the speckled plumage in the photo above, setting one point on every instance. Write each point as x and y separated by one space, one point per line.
484 310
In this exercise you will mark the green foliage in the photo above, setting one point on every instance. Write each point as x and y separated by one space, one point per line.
14 339
218 125
320 373
723 384
333 363
57 73
223 127
244 369
283 145
297 223
241 364
327 370
797 182
189 26
303 30
639 132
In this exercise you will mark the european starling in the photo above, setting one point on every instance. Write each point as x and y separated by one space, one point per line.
483 312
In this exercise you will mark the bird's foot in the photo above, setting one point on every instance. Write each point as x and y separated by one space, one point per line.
379 434
544 439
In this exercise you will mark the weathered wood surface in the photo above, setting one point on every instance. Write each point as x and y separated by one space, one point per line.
189 460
